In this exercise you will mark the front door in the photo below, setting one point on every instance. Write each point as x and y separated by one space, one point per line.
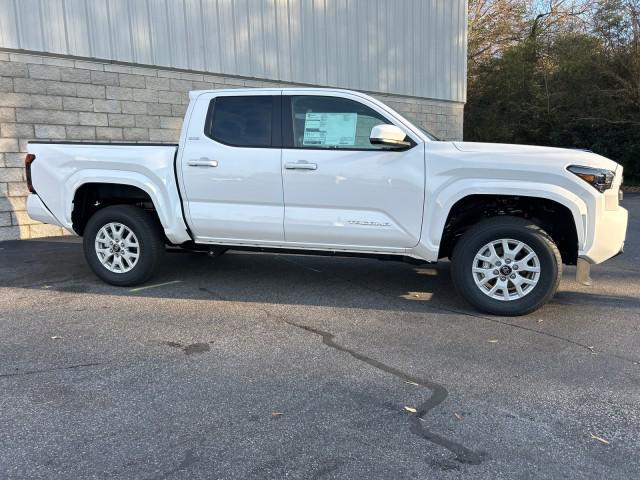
231 168
341 190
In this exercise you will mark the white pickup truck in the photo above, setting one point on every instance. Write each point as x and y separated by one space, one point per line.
327 171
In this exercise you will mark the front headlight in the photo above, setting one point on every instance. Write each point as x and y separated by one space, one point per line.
600 178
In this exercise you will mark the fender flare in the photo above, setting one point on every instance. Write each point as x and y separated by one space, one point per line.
159 199
437 211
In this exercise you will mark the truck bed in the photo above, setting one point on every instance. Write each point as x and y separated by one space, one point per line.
60 168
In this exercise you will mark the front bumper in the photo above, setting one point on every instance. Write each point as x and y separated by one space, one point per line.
610 234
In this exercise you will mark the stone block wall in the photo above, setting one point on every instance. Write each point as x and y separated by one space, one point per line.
46 97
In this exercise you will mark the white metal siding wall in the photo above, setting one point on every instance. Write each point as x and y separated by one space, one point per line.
407 47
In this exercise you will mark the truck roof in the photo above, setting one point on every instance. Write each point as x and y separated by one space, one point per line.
195 93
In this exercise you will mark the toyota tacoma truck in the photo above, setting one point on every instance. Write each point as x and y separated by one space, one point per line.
334 172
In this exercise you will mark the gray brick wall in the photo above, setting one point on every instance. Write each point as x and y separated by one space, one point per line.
54 98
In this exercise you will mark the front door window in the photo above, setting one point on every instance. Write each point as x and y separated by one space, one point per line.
322 122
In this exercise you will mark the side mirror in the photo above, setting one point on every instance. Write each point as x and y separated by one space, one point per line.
388 135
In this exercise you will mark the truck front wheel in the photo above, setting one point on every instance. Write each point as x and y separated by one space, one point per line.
506 266
123 245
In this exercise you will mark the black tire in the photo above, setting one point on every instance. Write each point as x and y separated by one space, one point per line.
150 239
481 234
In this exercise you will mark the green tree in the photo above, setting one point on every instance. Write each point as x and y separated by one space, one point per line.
564 85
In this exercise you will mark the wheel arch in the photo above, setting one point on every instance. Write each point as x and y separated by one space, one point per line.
440 212
89 196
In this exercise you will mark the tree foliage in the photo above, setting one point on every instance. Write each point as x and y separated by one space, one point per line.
567 75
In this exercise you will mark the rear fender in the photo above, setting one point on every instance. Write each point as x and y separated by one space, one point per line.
168 209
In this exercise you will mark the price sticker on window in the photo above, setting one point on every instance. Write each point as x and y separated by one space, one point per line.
330 129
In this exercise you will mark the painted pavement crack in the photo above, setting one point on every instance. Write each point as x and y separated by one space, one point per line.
417 422
55 369
417 427
590 349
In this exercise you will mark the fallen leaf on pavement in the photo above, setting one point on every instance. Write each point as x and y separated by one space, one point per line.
600 439
412 383
493 340
56 337
410 409
276 414
459 417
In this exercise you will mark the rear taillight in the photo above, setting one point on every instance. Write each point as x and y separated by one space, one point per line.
28 160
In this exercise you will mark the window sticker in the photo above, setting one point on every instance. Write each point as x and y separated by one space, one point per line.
330 129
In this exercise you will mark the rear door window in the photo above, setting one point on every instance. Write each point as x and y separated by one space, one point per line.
242 121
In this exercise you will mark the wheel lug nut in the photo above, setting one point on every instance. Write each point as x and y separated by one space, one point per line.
495 272
503 278
508 261
515 267
498 263
512 276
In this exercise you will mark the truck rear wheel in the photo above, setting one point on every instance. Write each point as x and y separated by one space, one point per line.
506 266
123 245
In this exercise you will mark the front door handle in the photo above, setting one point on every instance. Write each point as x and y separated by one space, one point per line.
202 162
300 166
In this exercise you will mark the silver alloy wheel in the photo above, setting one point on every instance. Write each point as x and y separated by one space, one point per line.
506 269
117 247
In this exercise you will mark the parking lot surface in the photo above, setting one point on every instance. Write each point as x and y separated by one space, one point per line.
276 366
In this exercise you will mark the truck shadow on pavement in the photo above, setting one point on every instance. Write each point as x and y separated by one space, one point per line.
58 264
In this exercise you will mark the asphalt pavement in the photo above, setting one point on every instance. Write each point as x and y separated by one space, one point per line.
258 366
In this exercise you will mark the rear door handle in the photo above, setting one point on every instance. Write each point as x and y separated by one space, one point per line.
202 162
300 166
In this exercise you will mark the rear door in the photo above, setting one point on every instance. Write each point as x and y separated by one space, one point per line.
231 167
341 190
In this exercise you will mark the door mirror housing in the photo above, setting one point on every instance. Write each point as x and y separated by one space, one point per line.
388 135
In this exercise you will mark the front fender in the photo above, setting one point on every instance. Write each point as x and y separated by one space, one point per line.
440 203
